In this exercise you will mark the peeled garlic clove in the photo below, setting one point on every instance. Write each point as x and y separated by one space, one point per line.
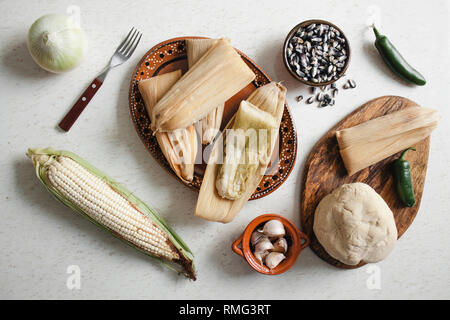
274 228
273 259
263 245
256 236
280 245
260 256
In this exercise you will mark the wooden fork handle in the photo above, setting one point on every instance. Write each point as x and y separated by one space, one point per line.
79 106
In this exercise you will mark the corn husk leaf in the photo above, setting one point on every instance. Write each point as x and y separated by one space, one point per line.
152 89
372 141
210 205
41 156
269 99
178 146
209 126
196 48
217 76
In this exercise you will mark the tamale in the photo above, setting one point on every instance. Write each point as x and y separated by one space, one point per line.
209 126
217 76
245 149
372 141
178 146
210 205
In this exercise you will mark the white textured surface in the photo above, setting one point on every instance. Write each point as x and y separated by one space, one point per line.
40 238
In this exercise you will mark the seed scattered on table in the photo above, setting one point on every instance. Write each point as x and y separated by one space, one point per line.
335 92
352 83
326 95
349 84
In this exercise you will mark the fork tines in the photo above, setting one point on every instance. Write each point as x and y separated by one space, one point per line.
130 43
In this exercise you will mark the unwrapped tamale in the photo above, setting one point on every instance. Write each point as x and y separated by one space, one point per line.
211 205
246 148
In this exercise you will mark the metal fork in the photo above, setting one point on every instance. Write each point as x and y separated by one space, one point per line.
122 54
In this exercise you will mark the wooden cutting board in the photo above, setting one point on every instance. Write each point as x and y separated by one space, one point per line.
325 171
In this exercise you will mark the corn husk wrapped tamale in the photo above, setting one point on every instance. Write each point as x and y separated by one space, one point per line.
210 205
217 76
372 141
178 146
209 126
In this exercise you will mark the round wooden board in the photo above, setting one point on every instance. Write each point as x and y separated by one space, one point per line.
170 55
325 171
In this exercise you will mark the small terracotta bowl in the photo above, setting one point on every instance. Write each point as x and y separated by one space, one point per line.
285 56
293 235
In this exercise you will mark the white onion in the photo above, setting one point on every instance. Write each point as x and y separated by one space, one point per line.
56 42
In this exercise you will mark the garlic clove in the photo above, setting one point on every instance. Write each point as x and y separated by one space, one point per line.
280 245
273 259
274 228
260 256
263 245
256 236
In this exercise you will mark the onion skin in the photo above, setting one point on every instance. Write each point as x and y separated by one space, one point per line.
56 43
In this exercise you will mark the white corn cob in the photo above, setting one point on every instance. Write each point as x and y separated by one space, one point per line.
106 204
103 204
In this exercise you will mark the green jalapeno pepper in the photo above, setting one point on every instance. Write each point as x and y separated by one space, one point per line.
395 61
403 181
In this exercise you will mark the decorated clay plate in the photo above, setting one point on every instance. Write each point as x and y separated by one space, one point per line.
170 55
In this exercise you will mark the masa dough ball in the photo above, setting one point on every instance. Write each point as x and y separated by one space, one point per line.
354 223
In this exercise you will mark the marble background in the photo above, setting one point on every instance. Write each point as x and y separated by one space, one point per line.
40 238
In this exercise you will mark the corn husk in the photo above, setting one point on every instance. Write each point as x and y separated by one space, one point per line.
152 89
210 205
209 126
268 98
217 76
372 141
178 146
196 48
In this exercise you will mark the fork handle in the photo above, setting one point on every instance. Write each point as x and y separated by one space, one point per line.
79 106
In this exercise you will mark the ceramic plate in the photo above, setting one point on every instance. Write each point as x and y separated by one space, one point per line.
169 56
